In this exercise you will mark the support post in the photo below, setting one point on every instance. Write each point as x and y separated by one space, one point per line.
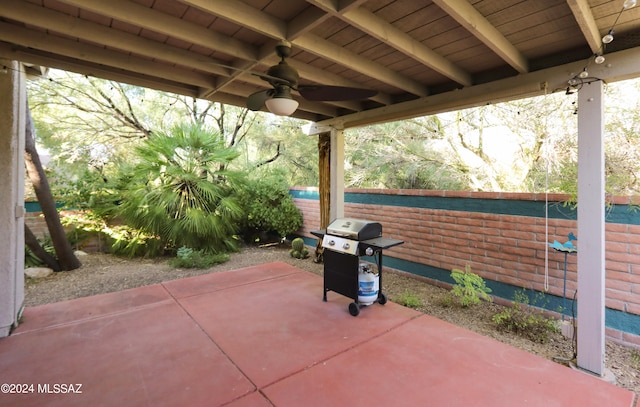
324 178
591 229
13 101
337 174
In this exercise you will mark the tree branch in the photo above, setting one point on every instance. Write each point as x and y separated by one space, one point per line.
272 159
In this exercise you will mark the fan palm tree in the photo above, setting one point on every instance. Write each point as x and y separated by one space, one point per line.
181 190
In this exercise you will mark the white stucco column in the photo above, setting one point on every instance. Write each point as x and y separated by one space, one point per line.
337 174
591 229
12 128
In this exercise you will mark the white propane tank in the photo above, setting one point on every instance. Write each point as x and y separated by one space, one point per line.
368 284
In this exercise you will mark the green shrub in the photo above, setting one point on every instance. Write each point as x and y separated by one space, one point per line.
469 288
409 299
129 242
269 208
189 258
180 189
526 320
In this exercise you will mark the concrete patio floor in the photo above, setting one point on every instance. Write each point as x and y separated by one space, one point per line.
262 336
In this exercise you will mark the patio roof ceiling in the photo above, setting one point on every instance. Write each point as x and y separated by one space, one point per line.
420 56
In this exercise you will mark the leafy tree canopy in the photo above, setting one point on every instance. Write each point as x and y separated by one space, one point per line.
528 145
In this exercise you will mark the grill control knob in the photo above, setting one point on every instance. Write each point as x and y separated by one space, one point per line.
346 246
332 242
369 251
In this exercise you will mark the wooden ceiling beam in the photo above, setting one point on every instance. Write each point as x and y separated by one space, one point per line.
621 65
97 55
36 57
34 15
41 58
305 22
337 54
255 20
243 14
392 36
156 21
468 17
375 26
584 17
144 17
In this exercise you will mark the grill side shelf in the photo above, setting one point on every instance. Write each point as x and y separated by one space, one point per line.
382 242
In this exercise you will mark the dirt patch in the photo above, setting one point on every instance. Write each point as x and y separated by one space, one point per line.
103 273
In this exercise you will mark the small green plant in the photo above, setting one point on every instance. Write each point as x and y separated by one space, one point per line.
635 359
469 288
446 301
524 319
31 260
409 299
298 249
186 257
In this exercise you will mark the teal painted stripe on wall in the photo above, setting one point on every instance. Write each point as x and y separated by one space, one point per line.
309 241
623 214
296 193
496 206
622 321
32 207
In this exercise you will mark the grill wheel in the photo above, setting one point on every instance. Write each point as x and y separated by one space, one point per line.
354 309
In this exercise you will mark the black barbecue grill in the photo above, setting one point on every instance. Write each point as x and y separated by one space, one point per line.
345 240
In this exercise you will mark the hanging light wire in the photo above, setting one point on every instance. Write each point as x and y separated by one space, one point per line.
577 81
546 209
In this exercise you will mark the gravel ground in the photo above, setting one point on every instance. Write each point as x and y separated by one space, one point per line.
102 273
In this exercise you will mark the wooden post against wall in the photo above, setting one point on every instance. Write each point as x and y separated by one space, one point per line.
337 174
324 187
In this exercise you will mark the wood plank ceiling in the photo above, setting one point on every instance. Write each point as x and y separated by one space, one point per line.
414 53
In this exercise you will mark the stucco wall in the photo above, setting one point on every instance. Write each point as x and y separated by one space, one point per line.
13 98
502 237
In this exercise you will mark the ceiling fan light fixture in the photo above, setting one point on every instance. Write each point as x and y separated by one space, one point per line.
282 106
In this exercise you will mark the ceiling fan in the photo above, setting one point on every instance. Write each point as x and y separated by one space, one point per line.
283 78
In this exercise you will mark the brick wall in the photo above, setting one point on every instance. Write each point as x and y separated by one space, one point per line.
502 237
36 223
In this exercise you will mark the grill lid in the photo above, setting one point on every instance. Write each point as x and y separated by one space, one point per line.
358 229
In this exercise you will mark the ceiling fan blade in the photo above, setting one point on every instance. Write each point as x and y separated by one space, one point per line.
334 93
255 101
273 80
